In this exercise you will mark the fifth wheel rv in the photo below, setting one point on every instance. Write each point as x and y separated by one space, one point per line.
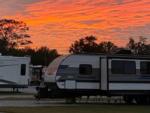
14 72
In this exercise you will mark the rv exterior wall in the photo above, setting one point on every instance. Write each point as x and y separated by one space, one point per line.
69 74
10 71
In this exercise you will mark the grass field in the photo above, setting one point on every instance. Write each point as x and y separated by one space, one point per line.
79 109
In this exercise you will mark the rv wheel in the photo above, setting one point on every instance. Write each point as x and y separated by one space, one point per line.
128 99
142 100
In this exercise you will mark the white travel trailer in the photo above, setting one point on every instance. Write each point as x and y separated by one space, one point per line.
78 75
14 71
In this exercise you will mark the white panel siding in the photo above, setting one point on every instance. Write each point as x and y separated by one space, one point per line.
70 84
10 68
87 85
76 60
3 83
78 85
138 64
129 86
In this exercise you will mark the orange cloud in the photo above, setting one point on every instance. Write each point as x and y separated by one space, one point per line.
53 22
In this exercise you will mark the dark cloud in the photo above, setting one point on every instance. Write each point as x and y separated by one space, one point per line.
90 22
131 31
138 16
11 7
119 1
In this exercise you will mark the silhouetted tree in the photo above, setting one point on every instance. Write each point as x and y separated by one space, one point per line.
140 47
89 45
84 45
131 44
13 33
3 45
107 47
43 56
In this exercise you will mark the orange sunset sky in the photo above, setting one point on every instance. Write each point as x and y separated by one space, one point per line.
57 23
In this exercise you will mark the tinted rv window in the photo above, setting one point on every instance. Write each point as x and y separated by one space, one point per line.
85 69
145 67
23 69
123 67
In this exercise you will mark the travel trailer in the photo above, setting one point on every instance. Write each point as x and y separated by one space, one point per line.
105 75
14 71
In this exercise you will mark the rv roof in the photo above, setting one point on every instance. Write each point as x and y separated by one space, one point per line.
14 58
119 55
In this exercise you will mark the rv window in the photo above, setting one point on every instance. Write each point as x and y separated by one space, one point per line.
23 69
123 67
85 69
145 67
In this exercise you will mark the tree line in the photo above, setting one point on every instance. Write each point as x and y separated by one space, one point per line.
14 40
89 44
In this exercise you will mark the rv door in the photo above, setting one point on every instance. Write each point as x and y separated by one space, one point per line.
103 65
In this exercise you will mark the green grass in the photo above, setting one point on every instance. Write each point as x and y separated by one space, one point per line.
79 109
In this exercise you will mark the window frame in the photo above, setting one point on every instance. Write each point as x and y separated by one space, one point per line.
85 74
143 69
23 69
123 63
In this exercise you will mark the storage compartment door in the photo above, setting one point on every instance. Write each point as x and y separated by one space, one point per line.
70 84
